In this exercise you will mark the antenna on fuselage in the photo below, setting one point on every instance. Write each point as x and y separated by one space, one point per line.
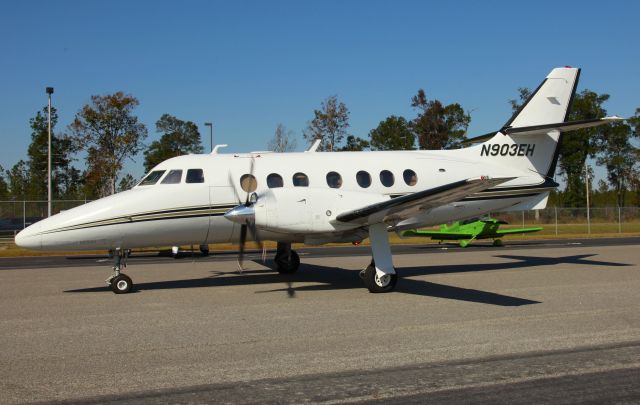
215 148
314 145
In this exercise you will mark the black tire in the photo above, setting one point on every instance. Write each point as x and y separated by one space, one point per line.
290 266
121 284
376 285
204 249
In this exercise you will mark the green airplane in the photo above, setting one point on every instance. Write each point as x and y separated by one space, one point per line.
470 230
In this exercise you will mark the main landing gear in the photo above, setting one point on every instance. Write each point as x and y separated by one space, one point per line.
287 260
380 276
119 282
377 283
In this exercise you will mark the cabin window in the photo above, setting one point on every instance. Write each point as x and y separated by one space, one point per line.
363 178
195 176
386 178
173 177
274 180
300 180
152 178
410 177
248 183
334 180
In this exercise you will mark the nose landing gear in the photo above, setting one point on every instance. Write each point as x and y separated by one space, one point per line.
119 282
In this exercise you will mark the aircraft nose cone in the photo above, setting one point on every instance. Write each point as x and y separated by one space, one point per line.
241 214
28 238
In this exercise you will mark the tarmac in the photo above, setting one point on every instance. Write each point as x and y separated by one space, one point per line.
540 323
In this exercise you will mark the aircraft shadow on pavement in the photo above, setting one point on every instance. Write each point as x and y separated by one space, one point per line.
333 278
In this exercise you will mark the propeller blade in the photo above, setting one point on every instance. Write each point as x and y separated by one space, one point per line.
254 234
243 239
248 224
252 166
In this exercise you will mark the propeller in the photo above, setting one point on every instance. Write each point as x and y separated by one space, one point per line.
244 214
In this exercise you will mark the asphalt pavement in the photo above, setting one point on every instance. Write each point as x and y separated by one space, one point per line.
307 252
532 323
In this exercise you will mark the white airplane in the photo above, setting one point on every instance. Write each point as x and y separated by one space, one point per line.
317 197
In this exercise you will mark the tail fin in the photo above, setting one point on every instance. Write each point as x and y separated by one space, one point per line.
528 144
550 102
536 150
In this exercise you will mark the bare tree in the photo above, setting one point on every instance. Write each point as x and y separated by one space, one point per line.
283 140
329 124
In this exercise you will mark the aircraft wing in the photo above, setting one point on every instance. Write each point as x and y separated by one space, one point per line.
407 206
439 234
517 230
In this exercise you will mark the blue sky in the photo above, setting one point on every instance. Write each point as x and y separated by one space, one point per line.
248 66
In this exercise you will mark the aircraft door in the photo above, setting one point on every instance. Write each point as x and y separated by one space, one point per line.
221 200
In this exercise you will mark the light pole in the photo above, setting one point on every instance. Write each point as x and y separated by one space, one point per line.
210 125
586 171
49 92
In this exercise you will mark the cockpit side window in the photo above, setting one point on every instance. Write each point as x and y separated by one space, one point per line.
173 177
152 178
195 176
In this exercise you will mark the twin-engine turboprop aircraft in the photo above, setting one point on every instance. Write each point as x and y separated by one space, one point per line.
317 197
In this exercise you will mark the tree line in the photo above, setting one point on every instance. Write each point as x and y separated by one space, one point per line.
106 132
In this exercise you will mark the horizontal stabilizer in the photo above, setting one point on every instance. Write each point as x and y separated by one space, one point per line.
561 126
543 129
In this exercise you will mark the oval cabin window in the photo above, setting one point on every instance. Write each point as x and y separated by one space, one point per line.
274 180
248 183
386 178
363 178
410 177
300 180
334 180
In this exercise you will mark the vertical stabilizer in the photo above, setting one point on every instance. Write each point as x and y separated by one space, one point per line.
535 150
550 102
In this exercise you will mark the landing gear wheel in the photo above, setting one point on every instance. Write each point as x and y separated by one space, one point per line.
377 284
121 284
204 249
289 266
498 242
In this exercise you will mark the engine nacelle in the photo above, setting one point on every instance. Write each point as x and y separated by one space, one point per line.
308 210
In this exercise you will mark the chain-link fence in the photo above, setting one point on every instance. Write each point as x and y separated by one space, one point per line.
574 221
16 215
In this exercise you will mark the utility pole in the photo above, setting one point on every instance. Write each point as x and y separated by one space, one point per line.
586 176
49 92
210 125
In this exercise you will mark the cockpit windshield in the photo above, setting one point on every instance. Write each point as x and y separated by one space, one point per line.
152 178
